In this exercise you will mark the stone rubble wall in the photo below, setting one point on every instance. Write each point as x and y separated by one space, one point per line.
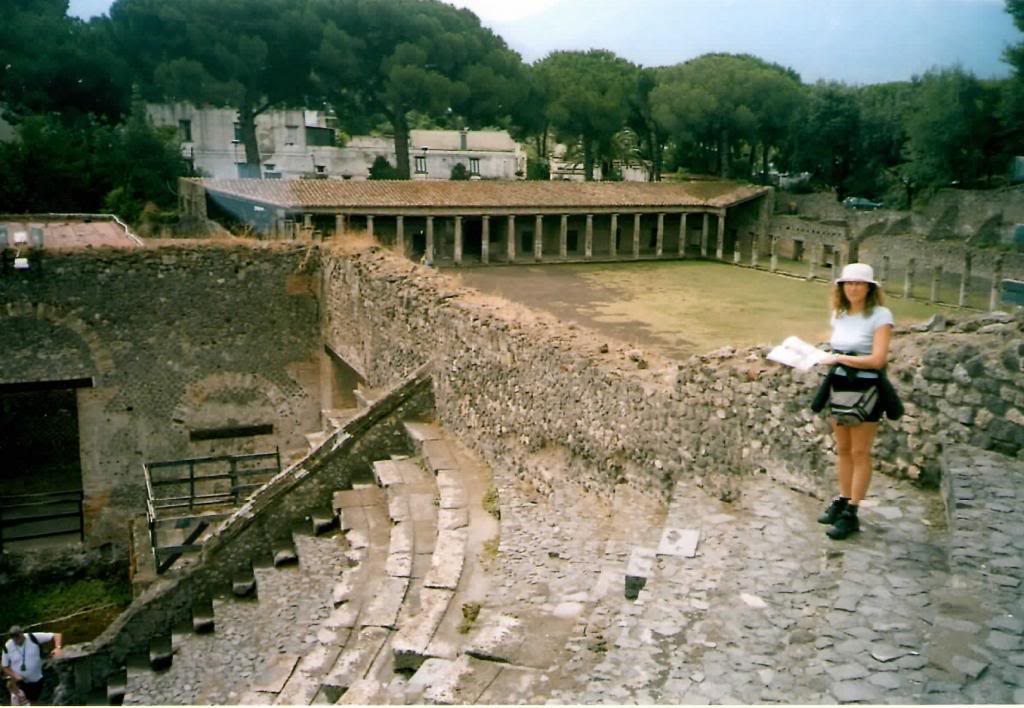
176 337
554 402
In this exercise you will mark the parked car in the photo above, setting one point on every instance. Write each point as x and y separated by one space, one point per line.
861 203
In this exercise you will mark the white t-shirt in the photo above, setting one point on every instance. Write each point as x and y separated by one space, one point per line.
26 659
856 333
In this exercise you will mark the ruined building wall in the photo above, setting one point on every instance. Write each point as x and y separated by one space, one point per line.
175 338
557 403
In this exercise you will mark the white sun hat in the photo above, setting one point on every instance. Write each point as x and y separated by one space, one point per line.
857 273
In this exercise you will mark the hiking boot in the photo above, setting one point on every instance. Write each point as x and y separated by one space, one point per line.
833 511
846 524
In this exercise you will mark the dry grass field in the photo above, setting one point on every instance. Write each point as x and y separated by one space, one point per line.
677 307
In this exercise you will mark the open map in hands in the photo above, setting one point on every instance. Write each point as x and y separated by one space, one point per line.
797 353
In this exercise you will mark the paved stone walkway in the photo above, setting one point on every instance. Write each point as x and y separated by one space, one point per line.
222 667
768 610
743 602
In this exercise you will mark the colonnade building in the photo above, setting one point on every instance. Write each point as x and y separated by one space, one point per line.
490 222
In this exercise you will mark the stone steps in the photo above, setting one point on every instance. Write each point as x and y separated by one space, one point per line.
334 418
257 643
320 618
366 397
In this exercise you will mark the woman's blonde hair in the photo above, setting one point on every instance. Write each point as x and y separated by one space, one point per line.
841 304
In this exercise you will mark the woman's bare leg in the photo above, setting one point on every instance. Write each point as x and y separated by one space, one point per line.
861 439
844 463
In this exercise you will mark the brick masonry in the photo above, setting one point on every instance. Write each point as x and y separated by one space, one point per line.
176 337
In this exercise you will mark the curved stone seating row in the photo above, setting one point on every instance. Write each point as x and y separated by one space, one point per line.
409 494
425 560
377 612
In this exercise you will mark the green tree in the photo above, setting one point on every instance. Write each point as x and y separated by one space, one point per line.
588 94
826 136
708 102
651 136
52 63
88 167
141 165
459 172
416 55
1011 108
248 54
776 97
949 128
382 169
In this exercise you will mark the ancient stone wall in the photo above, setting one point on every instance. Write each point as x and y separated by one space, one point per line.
269 516
175 338
557 403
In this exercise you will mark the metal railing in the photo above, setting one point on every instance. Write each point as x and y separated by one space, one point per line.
30 516
193 493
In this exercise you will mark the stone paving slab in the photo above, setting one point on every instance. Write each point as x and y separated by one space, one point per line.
354 662
411 640
451 488
679 542
359 495
439 455
413 474
276 670
386 473
364 692
452 518
421 432
448 559
382 608
463 683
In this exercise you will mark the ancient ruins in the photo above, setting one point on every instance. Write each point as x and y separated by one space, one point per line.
476 507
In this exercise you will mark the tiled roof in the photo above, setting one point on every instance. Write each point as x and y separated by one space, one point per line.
483 194
70 233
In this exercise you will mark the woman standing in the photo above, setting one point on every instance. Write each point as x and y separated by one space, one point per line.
861 331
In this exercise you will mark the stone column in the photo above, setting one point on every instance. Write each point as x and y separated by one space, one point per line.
965 278
660 240
485 239
458 240
369 225
908 280
936 283
720 245
755 248
997 277
682 235
511 245
736 250
339 225
563 237
636 235
813 249
885 270
538 237
704 237
613 246
588 241
430 240
837 258
773 249
400 234
307 221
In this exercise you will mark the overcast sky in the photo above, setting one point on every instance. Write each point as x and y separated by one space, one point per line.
856 41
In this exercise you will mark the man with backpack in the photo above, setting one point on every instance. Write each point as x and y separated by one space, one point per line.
23 659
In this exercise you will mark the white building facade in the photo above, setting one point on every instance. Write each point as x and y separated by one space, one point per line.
302 144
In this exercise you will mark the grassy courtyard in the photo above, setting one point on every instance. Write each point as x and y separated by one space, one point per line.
677 307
